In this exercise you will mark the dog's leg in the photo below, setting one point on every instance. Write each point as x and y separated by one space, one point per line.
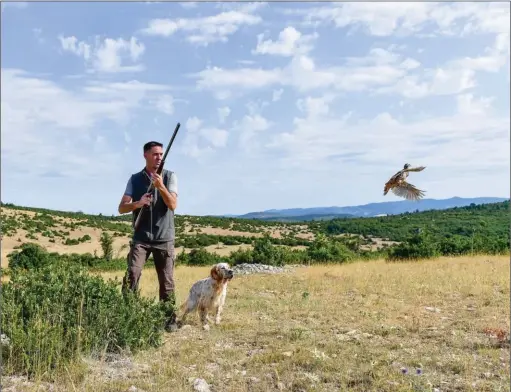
218 314
186 308
219 309
204 317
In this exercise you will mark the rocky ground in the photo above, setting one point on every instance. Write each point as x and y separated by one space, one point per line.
247 269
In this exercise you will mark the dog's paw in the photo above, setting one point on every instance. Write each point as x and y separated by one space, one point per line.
205 327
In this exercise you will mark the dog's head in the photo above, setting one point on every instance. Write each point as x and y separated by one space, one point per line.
222 272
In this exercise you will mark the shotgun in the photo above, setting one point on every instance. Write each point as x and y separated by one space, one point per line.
159 171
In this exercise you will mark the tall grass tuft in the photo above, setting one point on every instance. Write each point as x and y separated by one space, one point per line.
57 313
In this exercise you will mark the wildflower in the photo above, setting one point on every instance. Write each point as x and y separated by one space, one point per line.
404 370
418 371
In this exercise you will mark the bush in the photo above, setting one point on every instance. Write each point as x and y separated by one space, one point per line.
294 256
199 257
29 256
454 246
266 253
241 256
107 245
33 256
57 312
419 246
324 250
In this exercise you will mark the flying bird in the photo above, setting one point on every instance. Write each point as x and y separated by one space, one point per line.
398 185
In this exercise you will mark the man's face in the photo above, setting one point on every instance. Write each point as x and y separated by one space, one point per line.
153 156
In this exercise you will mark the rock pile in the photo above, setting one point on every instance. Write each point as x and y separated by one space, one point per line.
246 269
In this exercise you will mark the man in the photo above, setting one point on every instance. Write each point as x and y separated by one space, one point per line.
156 232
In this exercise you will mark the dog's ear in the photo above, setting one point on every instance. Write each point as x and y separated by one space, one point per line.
214 273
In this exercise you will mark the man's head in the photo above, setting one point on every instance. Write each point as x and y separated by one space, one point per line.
153 154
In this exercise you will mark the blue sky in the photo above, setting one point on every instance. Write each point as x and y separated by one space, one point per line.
281 105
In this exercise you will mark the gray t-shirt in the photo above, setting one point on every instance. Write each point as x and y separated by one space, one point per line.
172 187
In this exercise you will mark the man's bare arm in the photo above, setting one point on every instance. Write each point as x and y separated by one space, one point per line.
170 198
126 205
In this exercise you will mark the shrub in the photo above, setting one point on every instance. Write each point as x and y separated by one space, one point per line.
29 256
266 253
107 245
241 256
33 256
418 246
199 257
71 241
56 313
324 250
454 245
294 256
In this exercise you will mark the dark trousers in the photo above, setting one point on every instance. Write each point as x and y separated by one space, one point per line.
164 258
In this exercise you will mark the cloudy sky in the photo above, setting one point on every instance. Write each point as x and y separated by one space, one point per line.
281 104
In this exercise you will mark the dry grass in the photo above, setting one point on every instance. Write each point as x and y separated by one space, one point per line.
339 328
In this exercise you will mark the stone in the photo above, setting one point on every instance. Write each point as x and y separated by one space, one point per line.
200 385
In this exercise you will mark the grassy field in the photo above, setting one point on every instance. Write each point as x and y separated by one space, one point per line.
334 328
347 325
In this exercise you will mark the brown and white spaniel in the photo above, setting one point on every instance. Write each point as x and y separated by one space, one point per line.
208 295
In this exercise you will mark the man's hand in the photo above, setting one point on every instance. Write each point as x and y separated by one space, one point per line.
157 181
145 200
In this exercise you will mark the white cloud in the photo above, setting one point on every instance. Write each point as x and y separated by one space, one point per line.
277 94
385 19
468 105
193 124
248 128
217 137
165 104
290 42
381 71
379 68
454 77
205 30
79 48
223 113
47 119
443 143
315 107
106 55
201 141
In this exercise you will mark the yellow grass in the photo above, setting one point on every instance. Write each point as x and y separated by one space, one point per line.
338 328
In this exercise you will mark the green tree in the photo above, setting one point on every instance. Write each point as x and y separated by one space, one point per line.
107 245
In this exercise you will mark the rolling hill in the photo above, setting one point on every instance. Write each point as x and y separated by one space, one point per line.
366 210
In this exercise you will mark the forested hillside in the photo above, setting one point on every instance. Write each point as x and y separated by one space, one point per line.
484 220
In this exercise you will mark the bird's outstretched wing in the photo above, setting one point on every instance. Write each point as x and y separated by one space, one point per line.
408 191
392 181
415 169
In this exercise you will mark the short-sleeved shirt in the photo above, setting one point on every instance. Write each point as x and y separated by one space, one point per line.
172 187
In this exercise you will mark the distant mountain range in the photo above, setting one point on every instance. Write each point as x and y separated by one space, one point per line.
366 210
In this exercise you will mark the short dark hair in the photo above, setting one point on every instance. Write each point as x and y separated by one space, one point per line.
150 145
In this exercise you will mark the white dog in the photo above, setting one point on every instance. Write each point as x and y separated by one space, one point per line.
208 295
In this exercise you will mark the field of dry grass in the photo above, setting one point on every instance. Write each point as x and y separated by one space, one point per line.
336 328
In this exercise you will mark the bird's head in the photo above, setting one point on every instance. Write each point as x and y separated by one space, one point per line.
407 165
